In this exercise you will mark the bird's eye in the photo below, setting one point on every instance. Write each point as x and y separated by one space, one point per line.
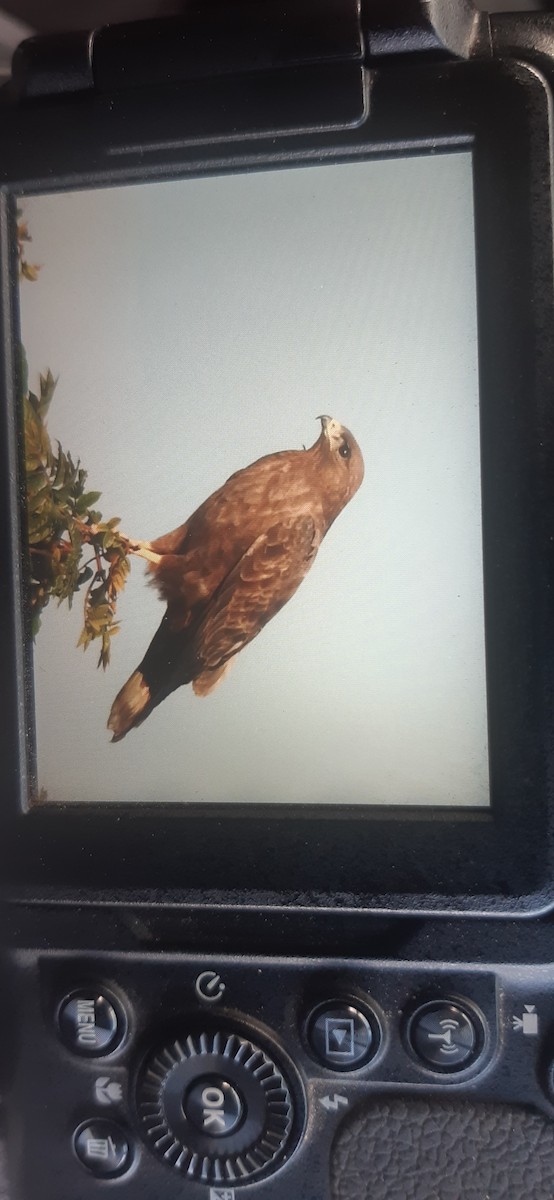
345 450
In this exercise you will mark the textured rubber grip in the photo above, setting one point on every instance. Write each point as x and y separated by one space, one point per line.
449 1150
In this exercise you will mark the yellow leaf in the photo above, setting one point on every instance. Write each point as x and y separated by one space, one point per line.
30 271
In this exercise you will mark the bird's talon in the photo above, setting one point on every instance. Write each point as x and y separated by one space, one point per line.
142 550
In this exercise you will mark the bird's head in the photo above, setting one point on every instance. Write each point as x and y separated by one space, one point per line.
340 457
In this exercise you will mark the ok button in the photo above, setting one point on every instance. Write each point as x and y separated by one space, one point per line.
213 1106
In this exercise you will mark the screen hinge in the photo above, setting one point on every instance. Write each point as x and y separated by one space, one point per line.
322 39
245 37
206 42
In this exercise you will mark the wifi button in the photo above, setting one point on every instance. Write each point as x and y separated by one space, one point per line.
444 1036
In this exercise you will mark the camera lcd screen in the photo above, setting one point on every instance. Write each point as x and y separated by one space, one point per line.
324 641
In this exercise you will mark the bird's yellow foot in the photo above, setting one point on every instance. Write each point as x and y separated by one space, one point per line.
142 550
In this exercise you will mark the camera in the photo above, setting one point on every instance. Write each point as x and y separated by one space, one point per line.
277 340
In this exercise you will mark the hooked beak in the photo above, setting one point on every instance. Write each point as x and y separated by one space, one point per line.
332 431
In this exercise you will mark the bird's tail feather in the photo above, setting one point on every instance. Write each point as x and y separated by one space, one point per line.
165 667
128 708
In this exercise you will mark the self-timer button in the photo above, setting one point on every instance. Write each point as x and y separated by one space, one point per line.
90 1023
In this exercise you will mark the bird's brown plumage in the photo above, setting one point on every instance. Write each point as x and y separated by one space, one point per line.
237 560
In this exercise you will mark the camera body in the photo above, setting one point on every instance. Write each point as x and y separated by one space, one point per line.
219 1000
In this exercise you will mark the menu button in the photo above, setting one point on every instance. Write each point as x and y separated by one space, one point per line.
90 1023
86 1023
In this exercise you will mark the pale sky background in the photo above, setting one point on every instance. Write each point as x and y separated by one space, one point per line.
198 325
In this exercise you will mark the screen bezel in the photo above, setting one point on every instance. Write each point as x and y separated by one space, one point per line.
369 857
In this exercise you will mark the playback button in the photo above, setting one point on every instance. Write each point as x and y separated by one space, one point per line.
341 1036
444 1036
90 1023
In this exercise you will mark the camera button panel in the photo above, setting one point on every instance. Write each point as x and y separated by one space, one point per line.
254 1088
91 1023
444 1036
341 1036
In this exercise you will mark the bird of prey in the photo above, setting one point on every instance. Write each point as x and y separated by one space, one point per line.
237 560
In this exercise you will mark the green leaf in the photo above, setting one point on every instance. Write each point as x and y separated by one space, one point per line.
85 575
37 482
41 530
87 500
47 388
64 530
59 468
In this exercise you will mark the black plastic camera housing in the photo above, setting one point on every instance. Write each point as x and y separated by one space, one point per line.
217 1001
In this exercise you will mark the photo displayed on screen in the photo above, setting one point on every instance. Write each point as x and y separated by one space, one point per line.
251 427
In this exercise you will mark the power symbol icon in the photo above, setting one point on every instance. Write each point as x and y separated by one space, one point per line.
209 987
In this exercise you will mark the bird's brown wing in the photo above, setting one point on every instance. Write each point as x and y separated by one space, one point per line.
266 576
197 557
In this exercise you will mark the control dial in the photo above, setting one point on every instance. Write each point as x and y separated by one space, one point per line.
215 1107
